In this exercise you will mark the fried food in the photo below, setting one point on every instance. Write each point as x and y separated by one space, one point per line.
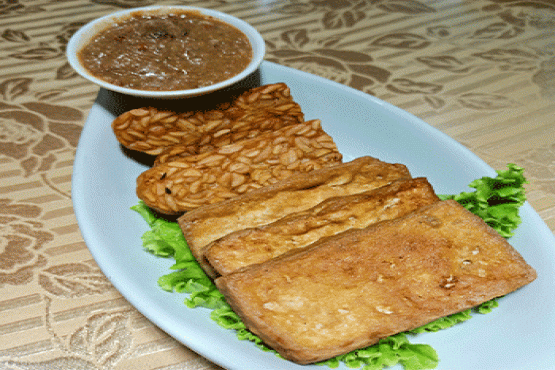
333 215
348 291
262 206
153 131
195 180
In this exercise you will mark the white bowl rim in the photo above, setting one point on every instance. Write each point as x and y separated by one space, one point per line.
90 29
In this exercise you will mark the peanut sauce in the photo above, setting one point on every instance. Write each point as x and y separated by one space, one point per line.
177 51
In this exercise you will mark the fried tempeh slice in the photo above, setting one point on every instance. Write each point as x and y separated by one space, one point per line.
348 291
195 180
260 109
262 206
333 215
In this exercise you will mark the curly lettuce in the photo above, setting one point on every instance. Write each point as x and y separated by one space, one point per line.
496 200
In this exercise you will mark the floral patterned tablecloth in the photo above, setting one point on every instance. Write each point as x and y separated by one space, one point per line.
481 71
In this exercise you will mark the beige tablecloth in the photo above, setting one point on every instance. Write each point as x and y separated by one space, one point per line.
482 71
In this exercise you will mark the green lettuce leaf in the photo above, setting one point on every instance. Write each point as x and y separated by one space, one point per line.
497 200
443 322
388 352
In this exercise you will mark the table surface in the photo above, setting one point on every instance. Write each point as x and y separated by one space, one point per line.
482 72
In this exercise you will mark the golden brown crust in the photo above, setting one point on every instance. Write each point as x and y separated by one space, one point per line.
153 131
267 204
348 291
195 180
333 215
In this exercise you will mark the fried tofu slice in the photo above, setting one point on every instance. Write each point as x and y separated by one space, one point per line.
300 192
196 180
347 291
333 215
154 131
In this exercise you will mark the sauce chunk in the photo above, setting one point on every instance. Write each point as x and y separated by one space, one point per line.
177 51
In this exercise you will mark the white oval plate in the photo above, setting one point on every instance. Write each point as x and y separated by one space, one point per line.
517 335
